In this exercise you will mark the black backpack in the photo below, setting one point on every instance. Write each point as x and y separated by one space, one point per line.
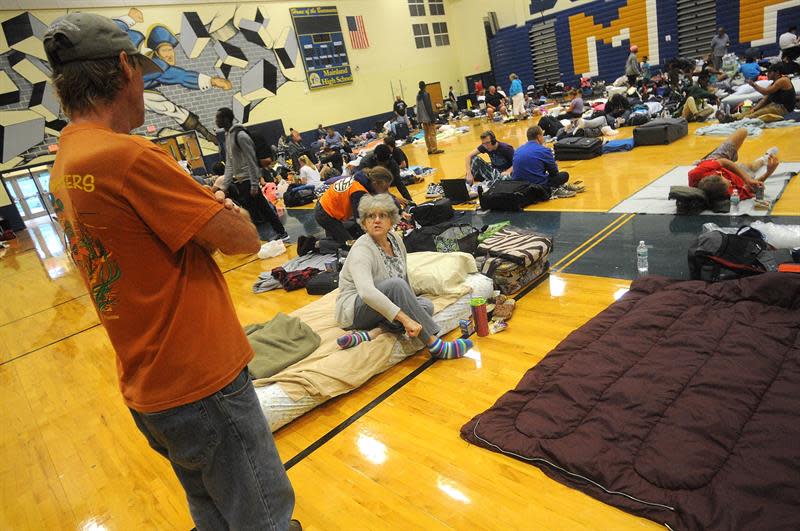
512 195
263 149
550 126
716 255
433 212
298 195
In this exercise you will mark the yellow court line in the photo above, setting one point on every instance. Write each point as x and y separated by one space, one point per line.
587 242
606 235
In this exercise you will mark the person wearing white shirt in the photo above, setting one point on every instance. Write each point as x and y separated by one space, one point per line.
789 43
308 172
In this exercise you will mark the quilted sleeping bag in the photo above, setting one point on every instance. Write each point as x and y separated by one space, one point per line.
679 403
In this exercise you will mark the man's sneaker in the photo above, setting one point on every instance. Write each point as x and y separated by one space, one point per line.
434 190
561 192
576 187
284 237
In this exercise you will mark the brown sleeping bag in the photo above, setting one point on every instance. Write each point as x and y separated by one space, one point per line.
679 403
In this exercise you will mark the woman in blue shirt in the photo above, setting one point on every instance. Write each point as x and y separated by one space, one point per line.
517 96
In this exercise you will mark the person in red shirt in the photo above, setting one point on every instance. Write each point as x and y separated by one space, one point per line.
719 173
141 233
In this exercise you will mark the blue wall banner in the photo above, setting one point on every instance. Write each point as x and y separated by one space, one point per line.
319 33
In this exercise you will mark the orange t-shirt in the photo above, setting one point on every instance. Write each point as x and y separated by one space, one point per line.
336 199
129 213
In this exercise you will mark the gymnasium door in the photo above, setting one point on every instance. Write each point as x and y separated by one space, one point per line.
28 189
434 90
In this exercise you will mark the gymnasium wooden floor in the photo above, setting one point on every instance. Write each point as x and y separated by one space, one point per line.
71 457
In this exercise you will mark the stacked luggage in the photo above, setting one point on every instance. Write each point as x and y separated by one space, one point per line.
514 257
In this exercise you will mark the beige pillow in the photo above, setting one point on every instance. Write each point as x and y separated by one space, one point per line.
440 273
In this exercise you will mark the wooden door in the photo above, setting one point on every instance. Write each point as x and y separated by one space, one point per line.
434 90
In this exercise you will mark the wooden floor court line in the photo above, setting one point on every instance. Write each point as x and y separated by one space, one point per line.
577 249
627 217
57 341
386 394
358 414
43 310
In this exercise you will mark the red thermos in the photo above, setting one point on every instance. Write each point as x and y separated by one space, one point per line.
480 316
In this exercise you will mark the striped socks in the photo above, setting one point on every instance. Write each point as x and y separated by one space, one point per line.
449 350
352 339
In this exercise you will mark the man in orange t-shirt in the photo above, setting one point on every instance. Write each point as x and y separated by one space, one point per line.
719 173
141 233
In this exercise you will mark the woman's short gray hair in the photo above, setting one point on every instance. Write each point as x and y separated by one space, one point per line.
378 203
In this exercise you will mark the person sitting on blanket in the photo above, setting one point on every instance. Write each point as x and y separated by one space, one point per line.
780 97
535 163
695 107
340 202
719 174
500 154
374 294
575 107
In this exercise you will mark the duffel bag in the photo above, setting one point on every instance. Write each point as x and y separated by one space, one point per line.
433 212
458 238
512 195
322 283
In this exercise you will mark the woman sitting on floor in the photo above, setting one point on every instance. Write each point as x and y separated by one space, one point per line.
374 293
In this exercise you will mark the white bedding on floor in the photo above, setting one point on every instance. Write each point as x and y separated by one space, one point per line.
652 199
280 409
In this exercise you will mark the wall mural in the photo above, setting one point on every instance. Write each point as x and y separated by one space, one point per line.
637 23
234 59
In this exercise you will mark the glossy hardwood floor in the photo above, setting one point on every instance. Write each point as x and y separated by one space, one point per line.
71 457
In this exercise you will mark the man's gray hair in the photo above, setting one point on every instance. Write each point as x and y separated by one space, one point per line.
378 203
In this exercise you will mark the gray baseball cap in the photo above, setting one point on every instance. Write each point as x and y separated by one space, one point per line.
89 37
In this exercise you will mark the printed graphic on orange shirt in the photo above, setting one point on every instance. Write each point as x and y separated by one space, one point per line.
637 24
758 20
93 259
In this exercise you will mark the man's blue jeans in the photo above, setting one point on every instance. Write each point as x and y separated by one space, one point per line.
224 456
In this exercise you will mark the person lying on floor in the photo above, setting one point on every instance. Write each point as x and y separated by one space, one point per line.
340 202
500 154
719 174
536 164
374 294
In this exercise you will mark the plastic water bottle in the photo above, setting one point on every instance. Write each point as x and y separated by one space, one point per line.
735 200
641 258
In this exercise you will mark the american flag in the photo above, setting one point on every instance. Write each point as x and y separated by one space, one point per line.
358 34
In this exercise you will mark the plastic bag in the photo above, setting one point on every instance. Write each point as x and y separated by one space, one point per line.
779 236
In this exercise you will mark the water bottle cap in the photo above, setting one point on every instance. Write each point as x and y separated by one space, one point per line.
641 242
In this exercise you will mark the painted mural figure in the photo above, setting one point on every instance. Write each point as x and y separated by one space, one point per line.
162 43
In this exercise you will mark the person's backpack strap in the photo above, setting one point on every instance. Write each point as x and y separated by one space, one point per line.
236 129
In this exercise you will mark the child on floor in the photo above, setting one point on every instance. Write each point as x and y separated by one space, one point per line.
719 174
